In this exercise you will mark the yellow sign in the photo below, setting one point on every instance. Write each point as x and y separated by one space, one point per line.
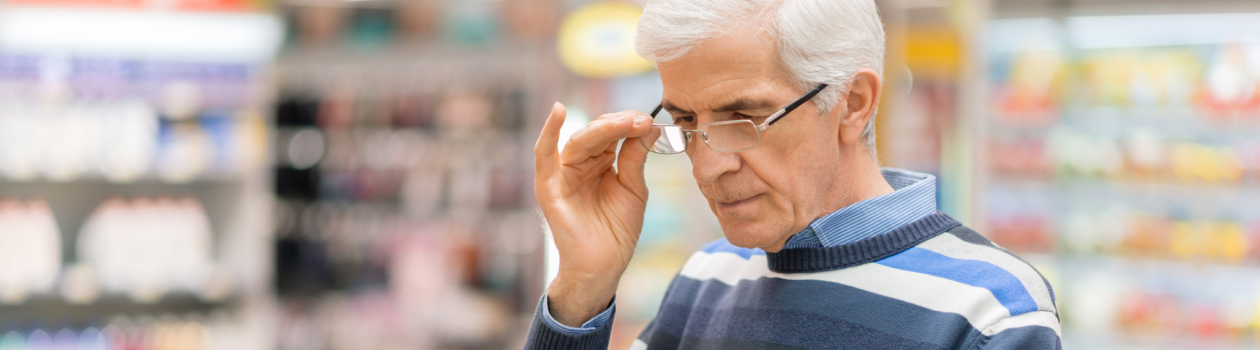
597 40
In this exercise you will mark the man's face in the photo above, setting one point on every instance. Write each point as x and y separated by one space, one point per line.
764 195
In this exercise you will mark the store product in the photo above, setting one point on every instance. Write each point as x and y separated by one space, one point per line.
320 25
130 141
186 152
1030 92
107 125
418 20
144 247
32 249
13 341
530 20
19 141
474 23
39 339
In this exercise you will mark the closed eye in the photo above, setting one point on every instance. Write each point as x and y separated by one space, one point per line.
682 120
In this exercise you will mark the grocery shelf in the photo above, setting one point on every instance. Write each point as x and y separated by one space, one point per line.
1116 123
55 310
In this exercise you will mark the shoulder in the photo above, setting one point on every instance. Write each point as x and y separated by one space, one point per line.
964 256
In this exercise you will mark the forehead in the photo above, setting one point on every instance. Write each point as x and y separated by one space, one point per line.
741 64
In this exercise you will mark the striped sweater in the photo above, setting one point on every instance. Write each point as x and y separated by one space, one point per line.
931 284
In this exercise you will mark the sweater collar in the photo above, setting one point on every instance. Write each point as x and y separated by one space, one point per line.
863 251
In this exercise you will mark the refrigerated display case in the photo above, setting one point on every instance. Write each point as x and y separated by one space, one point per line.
133 185
1119 156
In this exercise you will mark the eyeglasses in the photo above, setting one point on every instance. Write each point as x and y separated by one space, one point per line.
722 136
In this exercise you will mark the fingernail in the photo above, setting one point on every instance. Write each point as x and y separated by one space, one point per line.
642 119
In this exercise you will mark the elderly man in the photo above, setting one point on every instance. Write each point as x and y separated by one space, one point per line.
773 102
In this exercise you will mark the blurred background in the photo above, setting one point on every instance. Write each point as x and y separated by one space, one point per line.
329 174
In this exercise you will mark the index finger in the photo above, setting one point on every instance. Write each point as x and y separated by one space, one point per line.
595 138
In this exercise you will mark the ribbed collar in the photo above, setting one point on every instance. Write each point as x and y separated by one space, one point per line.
862 251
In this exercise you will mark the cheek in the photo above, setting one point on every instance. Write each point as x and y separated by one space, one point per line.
777 179
797 168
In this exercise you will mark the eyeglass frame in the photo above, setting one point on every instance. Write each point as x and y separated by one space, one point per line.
773 118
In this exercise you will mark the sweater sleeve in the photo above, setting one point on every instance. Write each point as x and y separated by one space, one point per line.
1033 330
547 333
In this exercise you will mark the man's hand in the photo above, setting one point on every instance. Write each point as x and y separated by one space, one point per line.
595 211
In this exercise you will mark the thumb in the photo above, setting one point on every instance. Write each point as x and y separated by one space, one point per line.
545 149
632 157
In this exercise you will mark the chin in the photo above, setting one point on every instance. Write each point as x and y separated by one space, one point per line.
750 234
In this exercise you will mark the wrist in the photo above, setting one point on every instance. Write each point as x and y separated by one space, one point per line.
574 301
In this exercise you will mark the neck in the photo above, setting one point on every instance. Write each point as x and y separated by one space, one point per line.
861 179
858 179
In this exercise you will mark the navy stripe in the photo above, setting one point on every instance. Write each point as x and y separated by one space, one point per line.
1005 287
662 340
861 252
792 328
703 308
1031 337
966 234
543 336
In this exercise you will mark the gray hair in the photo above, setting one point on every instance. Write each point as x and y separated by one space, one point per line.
819 41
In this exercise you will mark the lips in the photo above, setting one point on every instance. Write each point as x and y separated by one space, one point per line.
736 204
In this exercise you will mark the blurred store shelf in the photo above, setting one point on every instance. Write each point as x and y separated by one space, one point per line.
54 309
1122 157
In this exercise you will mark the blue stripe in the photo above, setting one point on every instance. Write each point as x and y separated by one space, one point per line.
723 246
913 198
827 312
1005 286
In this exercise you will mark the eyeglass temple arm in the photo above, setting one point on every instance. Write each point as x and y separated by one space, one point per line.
800 101
657 110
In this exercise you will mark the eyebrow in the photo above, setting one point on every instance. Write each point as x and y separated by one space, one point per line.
739 104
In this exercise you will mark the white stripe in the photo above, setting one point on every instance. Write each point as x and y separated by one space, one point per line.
951 246
976 304
1039 318
638 345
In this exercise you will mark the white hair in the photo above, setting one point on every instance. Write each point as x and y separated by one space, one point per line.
819 41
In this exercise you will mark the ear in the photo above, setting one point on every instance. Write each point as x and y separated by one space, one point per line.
859 106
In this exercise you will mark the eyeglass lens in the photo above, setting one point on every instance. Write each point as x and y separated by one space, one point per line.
730 136
667 139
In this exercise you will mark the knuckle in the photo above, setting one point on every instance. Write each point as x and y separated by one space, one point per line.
614 114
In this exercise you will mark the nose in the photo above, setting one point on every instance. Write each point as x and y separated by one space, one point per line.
708 165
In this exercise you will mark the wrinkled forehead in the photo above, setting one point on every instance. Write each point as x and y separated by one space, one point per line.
741 68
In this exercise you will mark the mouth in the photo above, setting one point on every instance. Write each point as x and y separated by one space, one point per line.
736 204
